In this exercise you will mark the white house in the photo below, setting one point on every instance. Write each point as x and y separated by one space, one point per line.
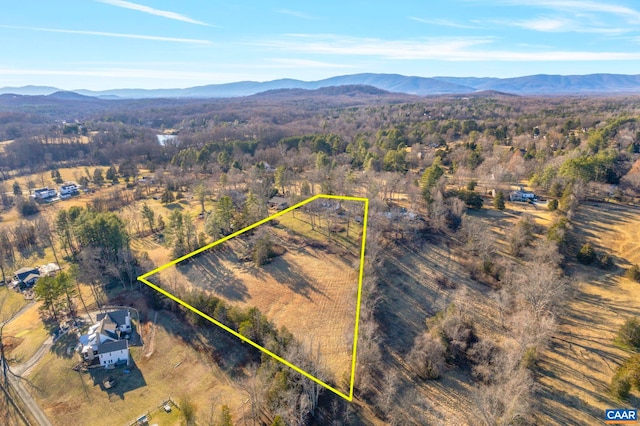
105 339
110 353
69 188
522 195
43 193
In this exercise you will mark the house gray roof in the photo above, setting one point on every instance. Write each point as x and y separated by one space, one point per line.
278 200
23 273
107 347
108 328
118 317
42 190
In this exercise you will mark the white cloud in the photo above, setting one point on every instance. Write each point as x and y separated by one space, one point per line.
560 25
330 44
442 22
458 49
115 35
579 6
151 11
544 24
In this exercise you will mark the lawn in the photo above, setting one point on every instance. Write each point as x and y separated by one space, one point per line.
174 370
10 303
26 333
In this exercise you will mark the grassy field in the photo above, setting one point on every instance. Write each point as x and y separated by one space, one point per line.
311 289
174 370
3 144
576 370
10 303
25 334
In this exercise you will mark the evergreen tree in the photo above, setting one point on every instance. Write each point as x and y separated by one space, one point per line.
429 179
98 178
224 213
498 201
17 191
167 197
112 174
148 215
55 175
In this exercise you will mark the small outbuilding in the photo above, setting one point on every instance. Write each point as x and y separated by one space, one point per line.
278 203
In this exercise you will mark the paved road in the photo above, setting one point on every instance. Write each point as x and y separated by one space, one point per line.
19 385
20 312
25 368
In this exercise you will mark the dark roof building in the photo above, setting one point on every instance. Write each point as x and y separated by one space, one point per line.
107 347
27 276
278 203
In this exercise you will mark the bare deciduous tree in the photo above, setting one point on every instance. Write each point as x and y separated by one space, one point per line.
503 403
427 357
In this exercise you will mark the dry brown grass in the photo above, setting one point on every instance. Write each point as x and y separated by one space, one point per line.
27 332
577 369
412 291
10 303
310 291
3 144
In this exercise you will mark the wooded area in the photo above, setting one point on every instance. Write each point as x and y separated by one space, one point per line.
462 286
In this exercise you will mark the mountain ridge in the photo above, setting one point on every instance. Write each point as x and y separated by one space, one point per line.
539 84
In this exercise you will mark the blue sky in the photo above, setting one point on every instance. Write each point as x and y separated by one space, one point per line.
102 44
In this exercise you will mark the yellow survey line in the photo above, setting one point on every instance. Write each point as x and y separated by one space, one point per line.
348 397
358 301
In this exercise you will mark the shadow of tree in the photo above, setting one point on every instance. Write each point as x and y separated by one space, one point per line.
127 378
287 274
64 347
209 273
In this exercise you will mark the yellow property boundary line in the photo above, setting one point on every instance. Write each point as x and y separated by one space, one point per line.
348 397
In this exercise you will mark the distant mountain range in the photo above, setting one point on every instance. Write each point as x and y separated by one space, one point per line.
540 84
